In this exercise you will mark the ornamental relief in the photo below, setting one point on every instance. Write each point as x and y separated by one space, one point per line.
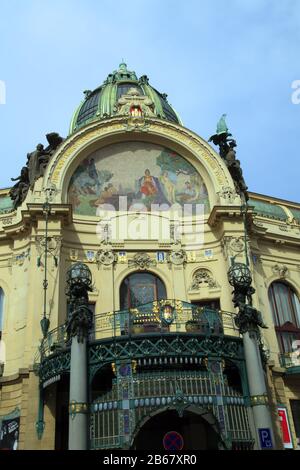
233 246
280 269
141 261
106 257
177 257
228 194
203 278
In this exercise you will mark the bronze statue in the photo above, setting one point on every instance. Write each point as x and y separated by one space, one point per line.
226 144
38 160
19 191
234 167
33 164
36 165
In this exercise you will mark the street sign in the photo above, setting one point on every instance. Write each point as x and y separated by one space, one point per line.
173 441
285 428
265 438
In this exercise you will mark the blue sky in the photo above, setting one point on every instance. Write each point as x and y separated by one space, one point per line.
238 57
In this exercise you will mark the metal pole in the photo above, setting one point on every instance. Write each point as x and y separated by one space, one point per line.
78 409
79 281
256 379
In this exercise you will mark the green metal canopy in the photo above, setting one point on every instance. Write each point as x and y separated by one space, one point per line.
101 103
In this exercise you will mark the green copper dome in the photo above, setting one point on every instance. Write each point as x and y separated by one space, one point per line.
102 103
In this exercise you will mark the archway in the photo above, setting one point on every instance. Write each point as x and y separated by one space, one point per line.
196 432
141 288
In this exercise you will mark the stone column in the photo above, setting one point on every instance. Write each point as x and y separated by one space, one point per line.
79 280
78 408
78 329
249 321
257 386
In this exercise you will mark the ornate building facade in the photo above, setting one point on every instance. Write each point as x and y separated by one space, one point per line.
143 290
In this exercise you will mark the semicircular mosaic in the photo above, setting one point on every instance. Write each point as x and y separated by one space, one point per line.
138 174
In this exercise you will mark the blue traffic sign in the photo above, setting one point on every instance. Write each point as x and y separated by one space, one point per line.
265 438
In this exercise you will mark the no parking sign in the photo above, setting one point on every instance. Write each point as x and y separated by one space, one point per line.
173 441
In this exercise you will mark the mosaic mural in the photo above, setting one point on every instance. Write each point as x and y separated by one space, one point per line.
145 173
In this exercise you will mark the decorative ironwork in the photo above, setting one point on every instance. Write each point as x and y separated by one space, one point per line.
114 337
40 423
291 361
248 318
180 402
76 407
164 390
239 276
107 351
167 314
79 280
256 400
54 365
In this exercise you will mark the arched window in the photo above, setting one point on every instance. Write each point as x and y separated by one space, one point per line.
285 307
141 288
1 310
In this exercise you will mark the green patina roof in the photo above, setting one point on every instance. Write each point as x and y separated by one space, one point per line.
6 204
101 103
296 213
266 209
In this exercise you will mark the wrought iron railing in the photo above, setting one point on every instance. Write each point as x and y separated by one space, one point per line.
164 316
159 317
155 390
289 360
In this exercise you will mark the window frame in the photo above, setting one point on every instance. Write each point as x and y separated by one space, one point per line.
291 326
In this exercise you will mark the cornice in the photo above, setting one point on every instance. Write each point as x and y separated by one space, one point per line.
32 214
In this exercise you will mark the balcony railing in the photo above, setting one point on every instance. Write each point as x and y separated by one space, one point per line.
290 361
159 317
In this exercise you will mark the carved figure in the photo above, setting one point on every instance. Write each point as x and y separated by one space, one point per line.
36 164
19 191
226 147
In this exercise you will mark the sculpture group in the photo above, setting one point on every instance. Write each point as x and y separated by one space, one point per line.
36 165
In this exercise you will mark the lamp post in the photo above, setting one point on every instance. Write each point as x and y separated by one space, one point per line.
79 281
249 320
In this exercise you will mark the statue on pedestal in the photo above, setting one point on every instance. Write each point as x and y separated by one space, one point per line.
226 144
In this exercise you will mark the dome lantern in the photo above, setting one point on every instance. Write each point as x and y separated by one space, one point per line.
102 103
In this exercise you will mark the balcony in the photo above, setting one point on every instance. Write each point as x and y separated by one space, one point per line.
165 328
290 362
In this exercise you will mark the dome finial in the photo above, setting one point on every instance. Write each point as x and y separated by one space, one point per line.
123 66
